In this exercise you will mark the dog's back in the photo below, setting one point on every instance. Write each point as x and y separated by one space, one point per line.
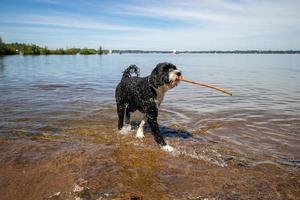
132 89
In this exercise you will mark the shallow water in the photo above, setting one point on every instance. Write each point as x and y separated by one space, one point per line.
71 99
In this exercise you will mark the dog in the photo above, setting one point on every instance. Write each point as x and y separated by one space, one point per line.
145 94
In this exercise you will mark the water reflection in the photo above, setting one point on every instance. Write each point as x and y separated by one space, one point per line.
1 65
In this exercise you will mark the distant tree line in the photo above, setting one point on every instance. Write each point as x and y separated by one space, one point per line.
247 52
138 51
214 52
32 49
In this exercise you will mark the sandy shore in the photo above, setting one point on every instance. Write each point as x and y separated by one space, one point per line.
122 167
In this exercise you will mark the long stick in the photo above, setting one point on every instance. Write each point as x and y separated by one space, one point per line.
206 85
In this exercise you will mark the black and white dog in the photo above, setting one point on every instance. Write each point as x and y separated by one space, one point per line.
145 94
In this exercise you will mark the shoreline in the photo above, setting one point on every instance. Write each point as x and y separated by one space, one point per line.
47 168
149 53
32 49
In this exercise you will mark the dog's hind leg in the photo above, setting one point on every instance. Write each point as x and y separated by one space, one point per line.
122 123
127 124
127 115
121 111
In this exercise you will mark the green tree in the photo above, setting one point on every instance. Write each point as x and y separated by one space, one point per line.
59 51
27 50
86 51
100 51
36 49
44 51
6 50
72 51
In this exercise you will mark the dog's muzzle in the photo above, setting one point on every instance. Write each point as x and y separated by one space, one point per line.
175 78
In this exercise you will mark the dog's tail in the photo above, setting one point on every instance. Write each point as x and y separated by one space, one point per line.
130 70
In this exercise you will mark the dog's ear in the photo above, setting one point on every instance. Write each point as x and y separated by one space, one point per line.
154 78
159 75
165 75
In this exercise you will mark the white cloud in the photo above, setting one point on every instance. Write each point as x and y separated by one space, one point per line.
191 25
73 21
225 24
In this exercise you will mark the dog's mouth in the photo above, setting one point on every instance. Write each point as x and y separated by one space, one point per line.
174 78
174 82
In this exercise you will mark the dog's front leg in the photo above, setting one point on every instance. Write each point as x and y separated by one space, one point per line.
157 136
151 115
155 130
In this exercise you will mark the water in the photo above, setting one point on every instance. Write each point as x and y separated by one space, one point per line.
71 98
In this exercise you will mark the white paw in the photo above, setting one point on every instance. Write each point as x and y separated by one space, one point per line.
139 133
125 129
168 148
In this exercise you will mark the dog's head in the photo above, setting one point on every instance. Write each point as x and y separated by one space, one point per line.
165 74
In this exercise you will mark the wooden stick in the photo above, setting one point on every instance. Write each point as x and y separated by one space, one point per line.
206 85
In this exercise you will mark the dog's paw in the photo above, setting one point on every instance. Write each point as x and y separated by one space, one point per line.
125 129
168 148
140 133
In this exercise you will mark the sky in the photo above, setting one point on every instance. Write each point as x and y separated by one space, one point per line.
153 25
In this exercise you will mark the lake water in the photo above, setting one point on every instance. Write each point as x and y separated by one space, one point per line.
62 96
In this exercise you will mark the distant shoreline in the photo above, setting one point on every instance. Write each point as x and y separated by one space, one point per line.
32 49
211 52
163 52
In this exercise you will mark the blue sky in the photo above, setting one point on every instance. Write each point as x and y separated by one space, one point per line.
153 25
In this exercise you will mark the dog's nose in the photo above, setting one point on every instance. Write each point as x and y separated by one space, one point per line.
178 73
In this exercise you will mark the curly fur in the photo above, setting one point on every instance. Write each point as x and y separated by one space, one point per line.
145 94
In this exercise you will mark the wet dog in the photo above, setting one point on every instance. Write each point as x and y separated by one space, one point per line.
145 94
